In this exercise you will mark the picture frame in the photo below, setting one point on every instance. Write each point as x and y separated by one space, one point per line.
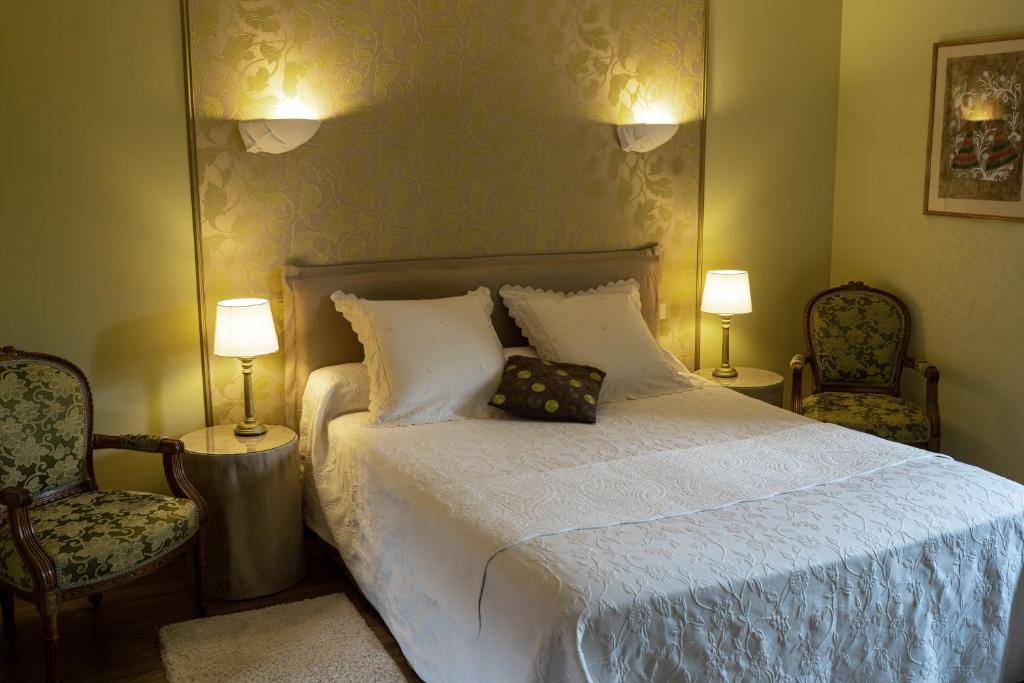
975 160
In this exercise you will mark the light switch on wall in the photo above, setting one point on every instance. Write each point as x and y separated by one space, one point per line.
662 312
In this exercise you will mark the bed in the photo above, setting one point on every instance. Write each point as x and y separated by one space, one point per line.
699 535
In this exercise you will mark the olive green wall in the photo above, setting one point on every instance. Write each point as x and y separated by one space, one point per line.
961 277
773 71
96 262
451 128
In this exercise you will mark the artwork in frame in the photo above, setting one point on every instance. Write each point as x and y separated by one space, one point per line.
975 151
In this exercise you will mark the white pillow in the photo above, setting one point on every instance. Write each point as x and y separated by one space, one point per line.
341 388
331 391
429 360
601 327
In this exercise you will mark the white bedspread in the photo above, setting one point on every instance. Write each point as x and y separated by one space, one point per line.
484 517
890 564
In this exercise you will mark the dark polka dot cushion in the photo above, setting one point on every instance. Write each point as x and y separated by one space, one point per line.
545 390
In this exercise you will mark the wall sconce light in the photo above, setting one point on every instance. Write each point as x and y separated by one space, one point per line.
294 124
643 137
275 136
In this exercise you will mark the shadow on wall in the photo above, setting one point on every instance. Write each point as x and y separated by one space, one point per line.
141 372
960 385
1003 432
137 367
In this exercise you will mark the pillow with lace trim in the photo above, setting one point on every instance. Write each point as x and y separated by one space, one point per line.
600 327
429 360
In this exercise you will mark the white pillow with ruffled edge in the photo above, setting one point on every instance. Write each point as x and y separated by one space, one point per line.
429 360
601 327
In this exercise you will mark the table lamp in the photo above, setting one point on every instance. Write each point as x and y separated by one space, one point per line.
727 293
245 329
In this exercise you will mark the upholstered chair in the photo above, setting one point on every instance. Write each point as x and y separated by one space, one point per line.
857 341
62 537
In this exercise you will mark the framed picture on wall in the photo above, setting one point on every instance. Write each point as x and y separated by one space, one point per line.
975 153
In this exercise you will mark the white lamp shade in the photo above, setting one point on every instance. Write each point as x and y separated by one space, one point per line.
245 329
726 292
276 136
643 137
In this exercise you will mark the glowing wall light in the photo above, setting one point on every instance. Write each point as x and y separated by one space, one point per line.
654 126
643 137
652 113
295 108
294 123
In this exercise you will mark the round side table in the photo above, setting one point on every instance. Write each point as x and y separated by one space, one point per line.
253 490
764 385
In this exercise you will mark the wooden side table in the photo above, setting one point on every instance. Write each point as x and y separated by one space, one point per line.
253 489
764 385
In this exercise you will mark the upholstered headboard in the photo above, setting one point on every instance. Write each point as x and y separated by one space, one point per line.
315 335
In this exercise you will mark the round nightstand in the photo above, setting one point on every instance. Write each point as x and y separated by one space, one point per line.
764 385
253 490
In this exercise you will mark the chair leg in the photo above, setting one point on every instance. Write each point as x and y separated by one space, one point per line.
199 566
49 610
96 599
7 608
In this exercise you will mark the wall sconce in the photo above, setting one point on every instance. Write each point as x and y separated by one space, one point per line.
295 122
275 136
643 137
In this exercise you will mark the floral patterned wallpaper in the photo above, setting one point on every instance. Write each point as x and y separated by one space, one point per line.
450 128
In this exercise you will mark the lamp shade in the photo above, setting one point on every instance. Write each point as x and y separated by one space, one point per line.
245 328
726 292
643 137
276 136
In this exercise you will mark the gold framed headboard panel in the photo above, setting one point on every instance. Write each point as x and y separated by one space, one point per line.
315 335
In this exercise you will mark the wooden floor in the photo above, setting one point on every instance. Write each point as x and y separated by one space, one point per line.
119 642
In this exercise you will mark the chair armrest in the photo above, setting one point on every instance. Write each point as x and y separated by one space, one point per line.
18 501
796 390
174 471
931 393
171 449
14 497
142 443
923 367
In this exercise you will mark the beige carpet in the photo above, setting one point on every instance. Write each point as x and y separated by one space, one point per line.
323 639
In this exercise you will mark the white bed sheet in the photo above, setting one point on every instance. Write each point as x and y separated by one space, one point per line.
908 573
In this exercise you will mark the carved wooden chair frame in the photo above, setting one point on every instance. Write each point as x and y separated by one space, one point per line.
924 368
18 504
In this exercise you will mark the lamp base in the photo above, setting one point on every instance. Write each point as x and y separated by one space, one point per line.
724 372
250 428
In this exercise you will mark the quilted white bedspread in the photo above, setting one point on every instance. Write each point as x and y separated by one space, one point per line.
695 536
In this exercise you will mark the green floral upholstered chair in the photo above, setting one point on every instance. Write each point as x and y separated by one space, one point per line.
61 537
857 340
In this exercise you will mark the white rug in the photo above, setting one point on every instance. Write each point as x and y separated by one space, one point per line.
319 640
